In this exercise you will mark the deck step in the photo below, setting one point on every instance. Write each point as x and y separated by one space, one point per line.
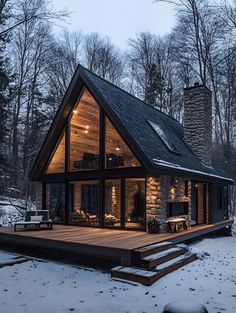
14 261
151 249
134 274
148 277
174 264
162 256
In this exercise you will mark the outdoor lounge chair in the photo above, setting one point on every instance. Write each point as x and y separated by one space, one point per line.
35 218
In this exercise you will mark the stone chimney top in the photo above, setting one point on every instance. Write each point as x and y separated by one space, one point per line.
198 121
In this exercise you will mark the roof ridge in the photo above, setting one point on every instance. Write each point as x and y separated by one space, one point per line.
130 94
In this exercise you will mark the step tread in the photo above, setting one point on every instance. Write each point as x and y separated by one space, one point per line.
14 261
134 271
174 261
161 254
156 245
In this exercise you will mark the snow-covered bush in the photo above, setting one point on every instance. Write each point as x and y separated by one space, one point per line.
13 210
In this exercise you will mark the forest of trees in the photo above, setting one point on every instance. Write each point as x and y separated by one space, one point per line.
36 66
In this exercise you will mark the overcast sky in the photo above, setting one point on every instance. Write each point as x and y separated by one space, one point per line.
118 19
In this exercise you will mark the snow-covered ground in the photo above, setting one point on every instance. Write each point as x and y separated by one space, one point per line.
50 287
12 210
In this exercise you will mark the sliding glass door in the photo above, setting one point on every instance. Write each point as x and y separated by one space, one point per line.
112 216
84 203
135 203
123 203
55 202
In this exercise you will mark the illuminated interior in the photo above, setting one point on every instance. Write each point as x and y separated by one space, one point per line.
112 203
117 152
84 134
57 163
84 203
135 203
84 154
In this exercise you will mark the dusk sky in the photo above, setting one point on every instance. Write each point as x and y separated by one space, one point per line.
119 20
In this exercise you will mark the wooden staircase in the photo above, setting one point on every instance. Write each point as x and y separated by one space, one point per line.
152 262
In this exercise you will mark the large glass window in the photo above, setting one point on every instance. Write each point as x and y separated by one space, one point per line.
57 163
84 203
112 203
55 202
117 152
135 203
84 134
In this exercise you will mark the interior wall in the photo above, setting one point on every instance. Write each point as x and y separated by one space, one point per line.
57 163
84 134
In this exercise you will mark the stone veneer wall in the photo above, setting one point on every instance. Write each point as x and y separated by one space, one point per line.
158 192
198 121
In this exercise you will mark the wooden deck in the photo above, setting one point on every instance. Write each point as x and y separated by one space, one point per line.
95 242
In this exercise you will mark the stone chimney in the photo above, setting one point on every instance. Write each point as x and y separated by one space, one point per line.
198 121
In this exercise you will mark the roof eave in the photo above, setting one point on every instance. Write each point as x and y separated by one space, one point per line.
193 174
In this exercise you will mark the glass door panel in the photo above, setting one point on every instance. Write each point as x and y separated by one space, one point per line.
84 203
135 203
55 202
112 203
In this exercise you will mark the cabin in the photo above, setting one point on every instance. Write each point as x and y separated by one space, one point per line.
111 161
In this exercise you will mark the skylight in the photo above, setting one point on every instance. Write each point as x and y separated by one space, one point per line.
163 137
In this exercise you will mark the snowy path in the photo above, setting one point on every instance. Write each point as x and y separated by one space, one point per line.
49 287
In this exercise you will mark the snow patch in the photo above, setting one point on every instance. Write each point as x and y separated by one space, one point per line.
173 165
184 306
51 287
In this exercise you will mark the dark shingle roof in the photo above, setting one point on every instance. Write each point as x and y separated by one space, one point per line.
130 115
134 114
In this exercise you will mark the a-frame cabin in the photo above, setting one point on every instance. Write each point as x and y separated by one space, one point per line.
110 160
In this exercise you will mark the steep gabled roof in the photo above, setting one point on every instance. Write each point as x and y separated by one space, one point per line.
133 118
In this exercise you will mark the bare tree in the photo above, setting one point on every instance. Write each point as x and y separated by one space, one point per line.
36 10
205 45
64 56
103 58
152 71
30 43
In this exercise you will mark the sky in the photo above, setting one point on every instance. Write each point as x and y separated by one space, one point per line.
120 19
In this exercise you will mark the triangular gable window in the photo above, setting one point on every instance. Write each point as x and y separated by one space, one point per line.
57 163
84 134
117 153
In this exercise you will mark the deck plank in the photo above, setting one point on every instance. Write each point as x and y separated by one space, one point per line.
103 238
